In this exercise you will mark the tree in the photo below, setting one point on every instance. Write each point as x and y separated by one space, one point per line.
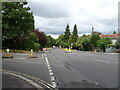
31 43
17 21
41 37
83 43
93 40
114 32
74 35
103 43
60 40
67 33
50 41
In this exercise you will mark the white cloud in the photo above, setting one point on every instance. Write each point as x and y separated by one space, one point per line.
51 16
53 36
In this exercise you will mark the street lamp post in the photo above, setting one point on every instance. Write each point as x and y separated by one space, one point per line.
71 45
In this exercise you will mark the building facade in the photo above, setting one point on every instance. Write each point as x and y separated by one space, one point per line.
114 37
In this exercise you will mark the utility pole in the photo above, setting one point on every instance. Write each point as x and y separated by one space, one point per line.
92 29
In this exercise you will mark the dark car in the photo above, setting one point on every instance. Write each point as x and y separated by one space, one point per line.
118 50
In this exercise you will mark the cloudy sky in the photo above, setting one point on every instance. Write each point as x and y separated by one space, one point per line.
52 16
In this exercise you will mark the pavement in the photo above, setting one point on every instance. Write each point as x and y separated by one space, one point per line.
10 81
68 70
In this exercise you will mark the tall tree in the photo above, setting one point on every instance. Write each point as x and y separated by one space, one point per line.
74 35
114 32
94 39
17 20
67 33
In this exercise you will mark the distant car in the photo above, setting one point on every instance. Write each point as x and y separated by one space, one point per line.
44 49
54 47
118 50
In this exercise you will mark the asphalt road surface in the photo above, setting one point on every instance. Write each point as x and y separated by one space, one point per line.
68 70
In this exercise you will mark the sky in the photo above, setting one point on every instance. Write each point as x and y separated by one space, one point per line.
52 16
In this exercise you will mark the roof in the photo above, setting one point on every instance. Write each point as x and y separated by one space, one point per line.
114 36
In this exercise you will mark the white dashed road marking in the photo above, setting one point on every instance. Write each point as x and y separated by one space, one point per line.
103 61
100 60
45 55
42 56
52 78
54 84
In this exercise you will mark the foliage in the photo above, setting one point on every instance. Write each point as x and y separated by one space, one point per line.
114 32
17 21
67 33
50 41
83 43
17 25
33 37
73 38
103 43
60 39
29 44
94 39
41 37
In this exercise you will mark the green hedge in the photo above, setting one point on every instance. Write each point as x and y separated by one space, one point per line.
28 45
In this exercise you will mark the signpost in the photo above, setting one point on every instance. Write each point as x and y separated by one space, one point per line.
31 54
8 52
7 55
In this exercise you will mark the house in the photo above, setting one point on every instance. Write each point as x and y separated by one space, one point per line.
113 36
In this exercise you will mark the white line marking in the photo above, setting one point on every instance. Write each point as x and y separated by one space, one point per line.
103 61
29 77
50 70
54 84
52 78
27 80
111 53
42 56
48 65
100 60
45 54
51 73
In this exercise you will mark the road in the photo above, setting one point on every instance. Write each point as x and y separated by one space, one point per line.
68 70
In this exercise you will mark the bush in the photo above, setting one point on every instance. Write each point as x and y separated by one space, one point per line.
64 45
28 45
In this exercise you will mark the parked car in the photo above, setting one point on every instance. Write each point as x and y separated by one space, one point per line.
118 50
